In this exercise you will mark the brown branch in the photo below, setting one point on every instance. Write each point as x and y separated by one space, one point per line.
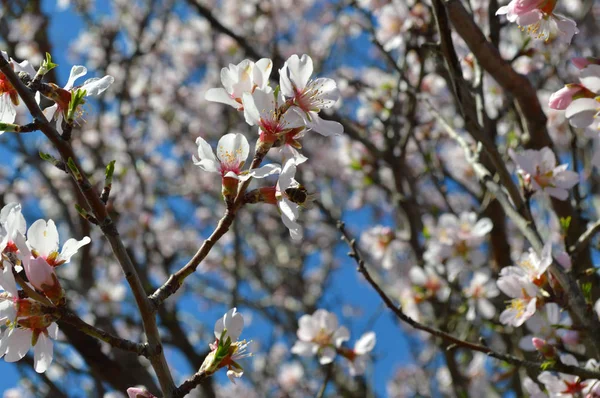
176 280
187 386
110 231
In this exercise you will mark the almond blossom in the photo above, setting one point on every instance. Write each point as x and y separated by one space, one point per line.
531 266
62 96
42 237
538 17
12 223
309 96
267 110
227 349
9 98
26 325
540 172
319 334
232 153
480 289
241 79
565 385
523 301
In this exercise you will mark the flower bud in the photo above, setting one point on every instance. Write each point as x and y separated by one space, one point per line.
562 98
139 392
548 351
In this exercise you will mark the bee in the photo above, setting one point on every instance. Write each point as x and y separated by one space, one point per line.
300 196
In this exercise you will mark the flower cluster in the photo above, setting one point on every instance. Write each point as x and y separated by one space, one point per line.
581 101
27 325
283 115
319 334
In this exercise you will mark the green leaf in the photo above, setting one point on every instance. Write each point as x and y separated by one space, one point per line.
47 64
110 169
77 99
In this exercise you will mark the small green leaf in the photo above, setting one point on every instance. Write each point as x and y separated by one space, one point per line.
47 64
565 222
77 99
110 169
73 167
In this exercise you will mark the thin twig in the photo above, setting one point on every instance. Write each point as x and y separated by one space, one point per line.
454 341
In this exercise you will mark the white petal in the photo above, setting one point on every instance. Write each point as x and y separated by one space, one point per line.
97 86
50 111
581 112
233 149
251 113
326 355
304 348
341 335
590 78
262 71
299 70
221 96
71 247
18 343
234 323
207 161
43 237
7 280
322 126
366 343
76 72
8 113
265 171
43 353
307 328
286 178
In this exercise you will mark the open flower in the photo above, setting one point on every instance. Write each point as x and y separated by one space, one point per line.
538 17
309 96
62 96
12 223
9 98
480 289
227 349
318 334
540 172
232 153
242 78
531 266
20 336
265 109
42 237
524 299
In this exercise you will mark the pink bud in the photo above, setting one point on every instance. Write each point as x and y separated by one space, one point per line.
544 348
42 276
138 392
561 99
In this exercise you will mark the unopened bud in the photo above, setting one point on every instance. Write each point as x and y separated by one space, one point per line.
548 351
139 392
